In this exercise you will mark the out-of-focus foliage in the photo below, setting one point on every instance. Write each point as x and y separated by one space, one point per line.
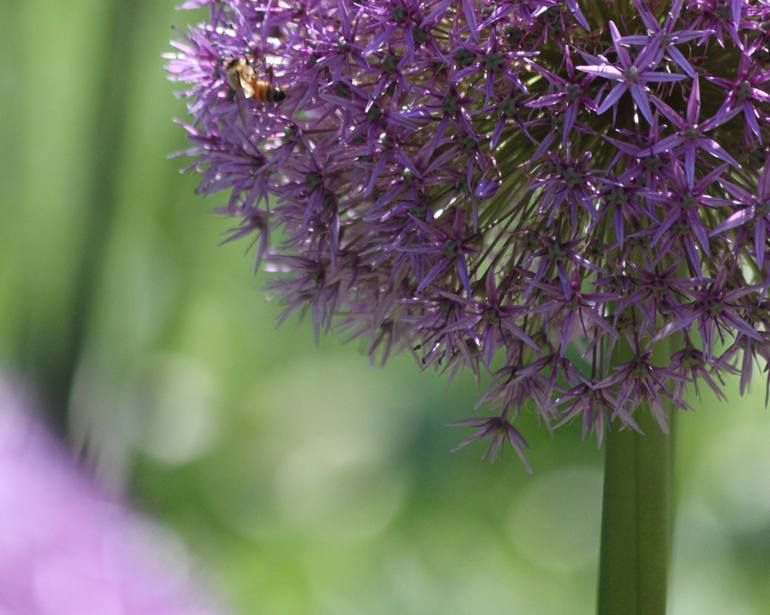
300 479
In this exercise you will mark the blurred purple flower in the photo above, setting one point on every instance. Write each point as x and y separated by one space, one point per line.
65 547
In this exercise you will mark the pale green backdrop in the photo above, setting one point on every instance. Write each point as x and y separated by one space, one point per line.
296 479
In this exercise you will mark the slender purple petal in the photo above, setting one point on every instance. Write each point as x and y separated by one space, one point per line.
713 148
603 70
641 100
612 98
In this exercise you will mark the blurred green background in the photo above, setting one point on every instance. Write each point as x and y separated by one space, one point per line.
298 479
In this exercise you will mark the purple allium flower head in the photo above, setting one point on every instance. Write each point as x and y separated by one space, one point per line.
68 549
443 176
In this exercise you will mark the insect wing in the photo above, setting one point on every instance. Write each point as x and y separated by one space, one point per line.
247 86
242 111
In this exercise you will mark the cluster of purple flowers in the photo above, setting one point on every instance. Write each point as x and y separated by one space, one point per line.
573 196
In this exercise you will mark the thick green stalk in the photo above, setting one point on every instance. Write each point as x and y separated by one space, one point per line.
636 519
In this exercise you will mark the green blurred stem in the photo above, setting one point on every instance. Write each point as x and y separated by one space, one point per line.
636 515
52 363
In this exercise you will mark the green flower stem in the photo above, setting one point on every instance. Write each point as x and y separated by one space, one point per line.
636 518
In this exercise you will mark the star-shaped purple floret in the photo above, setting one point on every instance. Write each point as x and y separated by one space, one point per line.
691 135
631 75
570 92
744 91
756 209
670 38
